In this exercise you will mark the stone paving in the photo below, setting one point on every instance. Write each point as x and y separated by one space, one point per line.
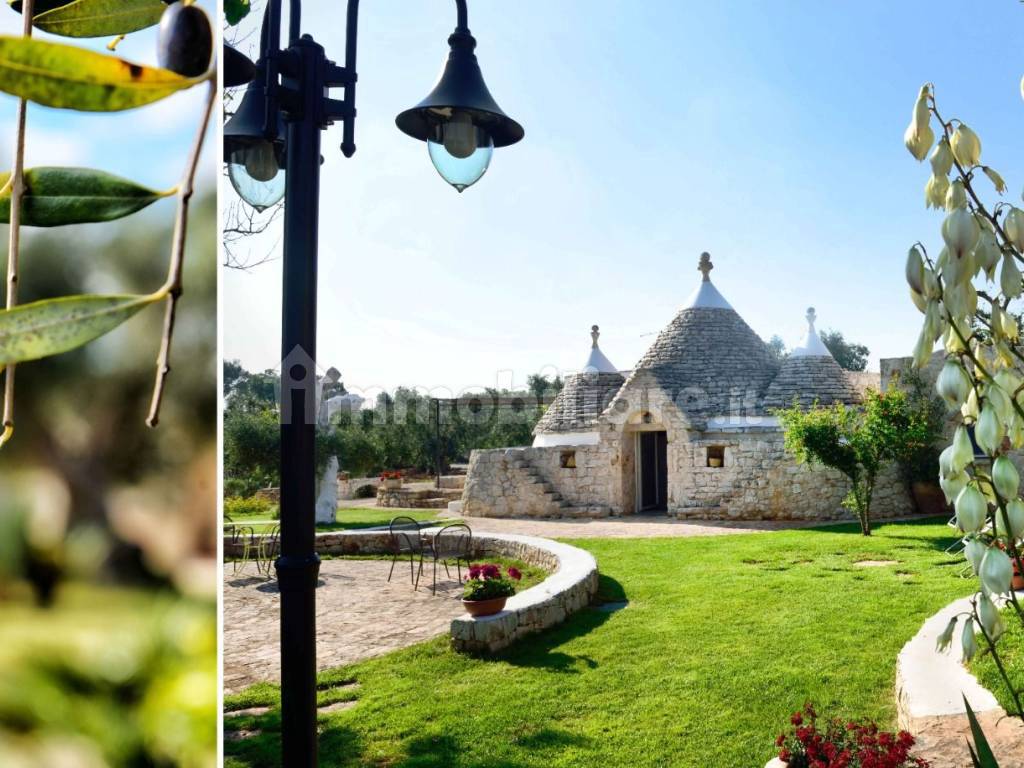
359 615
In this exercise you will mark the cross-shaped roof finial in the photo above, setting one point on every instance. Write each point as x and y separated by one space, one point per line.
705 266
594 333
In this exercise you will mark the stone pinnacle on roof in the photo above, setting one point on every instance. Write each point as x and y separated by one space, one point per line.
706 295
597 362
811 345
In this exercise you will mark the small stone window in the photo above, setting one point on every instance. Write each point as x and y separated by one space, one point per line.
716 456
567 460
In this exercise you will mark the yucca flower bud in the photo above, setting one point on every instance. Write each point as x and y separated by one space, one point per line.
1005 477
960 230
987 253
1013 226
1010 278
970 409
966 146
945 639
953 485
953 384
963 451
935 190
956 196
991 620
968 644
1008 325
975 550
989 432
999 400
971 509
946 462
995 178
1015 516
941 158
923 348
932 290
996 571
915 270
919 300
918 137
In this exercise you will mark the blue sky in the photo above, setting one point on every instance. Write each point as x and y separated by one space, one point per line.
769 134
147 145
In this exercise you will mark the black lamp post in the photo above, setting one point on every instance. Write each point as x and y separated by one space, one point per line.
276 132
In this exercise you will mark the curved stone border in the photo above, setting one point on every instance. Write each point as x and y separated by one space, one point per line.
929 686
571 586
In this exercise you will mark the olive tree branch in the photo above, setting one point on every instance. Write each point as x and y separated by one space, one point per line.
172 289
17 185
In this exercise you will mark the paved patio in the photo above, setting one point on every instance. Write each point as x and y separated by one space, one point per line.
359 615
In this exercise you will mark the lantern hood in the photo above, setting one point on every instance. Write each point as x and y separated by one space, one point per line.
460 87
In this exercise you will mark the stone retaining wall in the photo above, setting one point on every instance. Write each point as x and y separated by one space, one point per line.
571 585
929 690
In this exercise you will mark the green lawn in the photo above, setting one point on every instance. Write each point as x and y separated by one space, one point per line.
1011 651
722 639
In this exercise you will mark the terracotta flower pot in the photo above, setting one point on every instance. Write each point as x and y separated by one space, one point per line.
484 607
929 499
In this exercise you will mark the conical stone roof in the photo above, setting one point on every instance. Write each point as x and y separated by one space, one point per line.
811 375
584 395
708 360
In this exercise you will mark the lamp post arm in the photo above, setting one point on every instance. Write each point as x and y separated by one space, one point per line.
348 142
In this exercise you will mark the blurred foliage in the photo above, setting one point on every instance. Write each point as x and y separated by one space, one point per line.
120 668
398 432
133 684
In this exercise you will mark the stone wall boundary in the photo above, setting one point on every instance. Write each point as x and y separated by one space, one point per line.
571 585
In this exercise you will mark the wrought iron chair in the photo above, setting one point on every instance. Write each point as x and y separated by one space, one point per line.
244 535
453 542
406 540
266 550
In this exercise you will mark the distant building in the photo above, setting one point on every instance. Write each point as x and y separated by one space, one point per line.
687 432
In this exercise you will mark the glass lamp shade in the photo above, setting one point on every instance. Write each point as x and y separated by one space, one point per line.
461 152
256 175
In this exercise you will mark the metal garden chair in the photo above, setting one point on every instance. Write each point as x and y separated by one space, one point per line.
244 535
266 550
453 542
406 540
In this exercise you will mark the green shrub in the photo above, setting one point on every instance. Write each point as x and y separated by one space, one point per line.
236 507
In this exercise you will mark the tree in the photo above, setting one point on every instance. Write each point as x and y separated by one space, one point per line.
851 356
856 441
777 348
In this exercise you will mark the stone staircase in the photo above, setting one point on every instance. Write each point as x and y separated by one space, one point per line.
550 501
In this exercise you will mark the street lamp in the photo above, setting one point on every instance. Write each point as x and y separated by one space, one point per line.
279 123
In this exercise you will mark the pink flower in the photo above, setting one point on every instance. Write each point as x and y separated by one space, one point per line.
514 573
490 571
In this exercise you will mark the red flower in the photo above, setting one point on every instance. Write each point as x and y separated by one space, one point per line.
796 719
490 571
514 573
474 571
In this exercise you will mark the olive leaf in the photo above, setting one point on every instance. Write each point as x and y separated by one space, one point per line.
40 6
235 11
68 77
52 326
98 18
56 196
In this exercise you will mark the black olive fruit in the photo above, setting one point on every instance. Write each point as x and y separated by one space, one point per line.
186 40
